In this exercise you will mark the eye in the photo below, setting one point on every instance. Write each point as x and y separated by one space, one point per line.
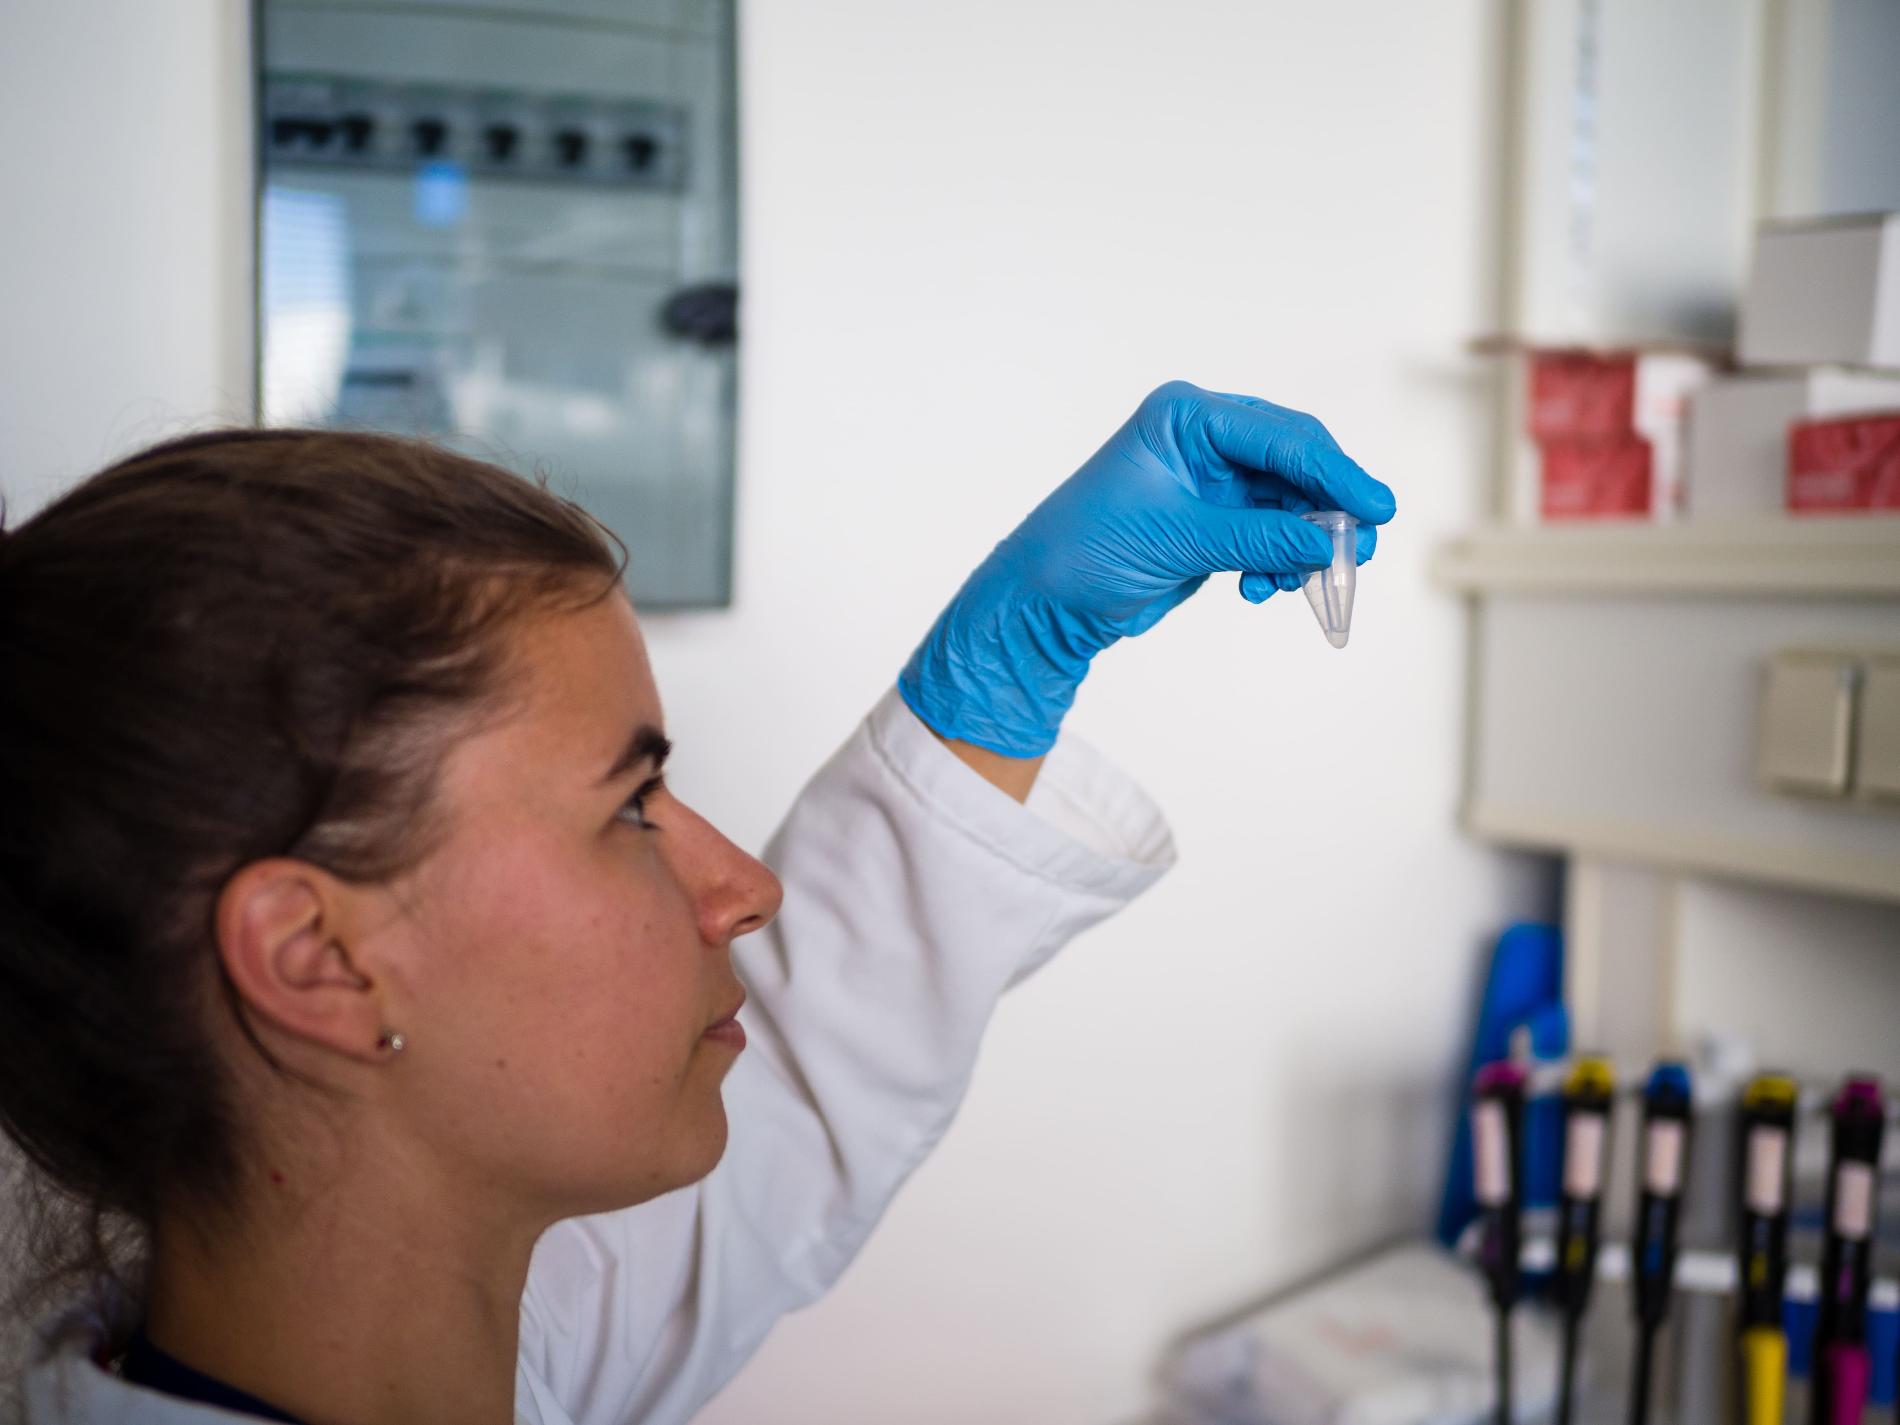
633 811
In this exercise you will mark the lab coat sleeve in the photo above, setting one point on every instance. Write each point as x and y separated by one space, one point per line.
915 894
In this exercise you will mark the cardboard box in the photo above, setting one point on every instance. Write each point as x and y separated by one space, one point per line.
1582 395
1824 291
1596 479
1835 466
1738 432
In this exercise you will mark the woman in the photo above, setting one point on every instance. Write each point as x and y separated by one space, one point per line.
360 974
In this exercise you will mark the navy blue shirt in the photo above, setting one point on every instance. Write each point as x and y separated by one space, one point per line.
146 1365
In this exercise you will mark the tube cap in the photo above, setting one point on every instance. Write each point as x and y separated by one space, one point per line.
1590 1077
1668 1086
1770 1091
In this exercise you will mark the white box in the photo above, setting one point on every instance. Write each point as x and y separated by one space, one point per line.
1405 1336
1826 290
1738 432
1666 381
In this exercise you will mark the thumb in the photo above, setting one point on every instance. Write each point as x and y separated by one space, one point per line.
1223 537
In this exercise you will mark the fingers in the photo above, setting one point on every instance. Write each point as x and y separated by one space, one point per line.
1258 588
1368 541
1294 446
1212 538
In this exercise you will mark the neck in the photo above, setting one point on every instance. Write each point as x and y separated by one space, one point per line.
360 1303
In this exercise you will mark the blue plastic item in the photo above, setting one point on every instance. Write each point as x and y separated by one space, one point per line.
1883 1344
1797 1323
1525 987
1669 1079
1543 1165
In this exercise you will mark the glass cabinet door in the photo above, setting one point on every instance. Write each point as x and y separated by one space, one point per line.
509 226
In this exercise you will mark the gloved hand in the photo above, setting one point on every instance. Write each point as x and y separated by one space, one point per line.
1194 483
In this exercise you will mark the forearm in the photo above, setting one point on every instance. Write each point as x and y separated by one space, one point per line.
1012 775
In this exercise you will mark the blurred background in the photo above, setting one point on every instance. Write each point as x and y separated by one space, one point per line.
1622 673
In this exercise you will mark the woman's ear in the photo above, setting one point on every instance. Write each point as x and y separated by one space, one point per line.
283 934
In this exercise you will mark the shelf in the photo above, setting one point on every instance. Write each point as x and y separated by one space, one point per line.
1854 556
1796 867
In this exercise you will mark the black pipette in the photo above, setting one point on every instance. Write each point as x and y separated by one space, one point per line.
1665 1162
1497 1128
1589 1091
1841 1366
1767 1153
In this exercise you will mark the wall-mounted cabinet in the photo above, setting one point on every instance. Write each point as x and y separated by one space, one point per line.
511 228
1733 862
1630 726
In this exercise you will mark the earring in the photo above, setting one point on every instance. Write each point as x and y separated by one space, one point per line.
391 1041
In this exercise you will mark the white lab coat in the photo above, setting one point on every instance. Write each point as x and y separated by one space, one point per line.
915 894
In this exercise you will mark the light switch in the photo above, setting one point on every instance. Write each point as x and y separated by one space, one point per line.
1807 713
1877 734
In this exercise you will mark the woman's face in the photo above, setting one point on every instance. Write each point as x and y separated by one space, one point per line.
560 968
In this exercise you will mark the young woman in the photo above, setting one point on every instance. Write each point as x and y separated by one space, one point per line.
372 1008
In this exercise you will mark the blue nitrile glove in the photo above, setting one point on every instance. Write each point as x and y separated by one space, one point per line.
1195 482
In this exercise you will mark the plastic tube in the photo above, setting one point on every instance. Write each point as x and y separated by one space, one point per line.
1330 590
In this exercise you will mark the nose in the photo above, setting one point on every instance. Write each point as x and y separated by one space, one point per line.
733 893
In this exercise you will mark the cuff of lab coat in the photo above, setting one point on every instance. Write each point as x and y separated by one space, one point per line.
1086 825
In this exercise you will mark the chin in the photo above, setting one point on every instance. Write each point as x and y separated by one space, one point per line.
690 1152
712 1145
696 1151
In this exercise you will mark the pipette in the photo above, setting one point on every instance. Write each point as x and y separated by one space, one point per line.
1666 1105
1589 1092
1768 1105
1330 590
1497 1127
1841 1364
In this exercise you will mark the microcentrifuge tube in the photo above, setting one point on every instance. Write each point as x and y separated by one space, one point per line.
1329 590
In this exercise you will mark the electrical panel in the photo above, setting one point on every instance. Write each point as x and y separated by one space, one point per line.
1830 724
1877 741
511 228
1806 720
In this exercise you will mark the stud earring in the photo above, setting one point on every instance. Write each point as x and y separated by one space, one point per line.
391 1042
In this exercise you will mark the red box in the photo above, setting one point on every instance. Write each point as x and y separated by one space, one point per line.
1847 463
1596 479
1581 394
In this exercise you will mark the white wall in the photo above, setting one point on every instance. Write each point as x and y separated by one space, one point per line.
1834 108
1863 107
974 235
1637 168
1821 1012
125 225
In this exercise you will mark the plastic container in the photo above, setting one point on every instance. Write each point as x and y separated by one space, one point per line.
1330 590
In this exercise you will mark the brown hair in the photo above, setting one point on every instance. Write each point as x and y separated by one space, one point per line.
240 644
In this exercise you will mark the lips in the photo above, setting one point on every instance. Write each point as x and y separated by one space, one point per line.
727 1030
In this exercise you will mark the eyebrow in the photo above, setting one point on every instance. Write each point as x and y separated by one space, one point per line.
648 743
